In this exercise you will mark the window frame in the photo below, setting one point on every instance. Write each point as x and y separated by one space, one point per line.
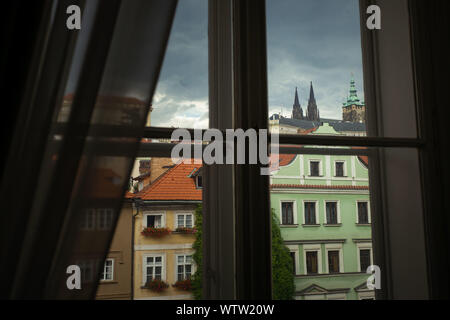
295 249
145 214
334 247
145 265
338 212
363 246
294 212
193 269
312 248
320 169
254 42
184 214
316 212
344 169
102 279
368 213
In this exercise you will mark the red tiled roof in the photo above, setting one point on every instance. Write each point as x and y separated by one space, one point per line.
311 186
283 160
174 184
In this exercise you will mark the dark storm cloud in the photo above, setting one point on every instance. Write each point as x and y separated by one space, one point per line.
308 40
183 85
312 40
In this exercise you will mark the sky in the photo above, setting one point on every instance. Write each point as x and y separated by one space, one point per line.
307 40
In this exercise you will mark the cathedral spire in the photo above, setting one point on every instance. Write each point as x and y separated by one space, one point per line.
312 111
311 93
297 111
296 102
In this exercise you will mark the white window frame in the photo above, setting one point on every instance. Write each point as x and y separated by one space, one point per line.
368 211
344 169
93 220
363 246
144 265
334 247
159 213
295 249
104 270
320 168
102 215
193 268
338 209
317 213
294 211
311 248
184 214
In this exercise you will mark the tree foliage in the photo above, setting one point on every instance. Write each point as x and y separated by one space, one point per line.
283 286
282 273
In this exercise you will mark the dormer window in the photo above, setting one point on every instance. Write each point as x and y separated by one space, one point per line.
199 182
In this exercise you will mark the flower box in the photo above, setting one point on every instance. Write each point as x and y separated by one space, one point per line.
156 285
183 285
155 232
186 230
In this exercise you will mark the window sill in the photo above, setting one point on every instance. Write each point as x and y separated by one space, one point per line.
288 225
363 224
340 176
332 225
311 225
315 176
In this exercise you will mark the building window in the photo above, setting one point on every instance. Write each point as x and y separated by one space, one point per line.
88 221
199 182
363 213
331 212
339 168
310 213
364 259
293 262
312 263
154 220
153 268
108 270
333 261
287 213
105 219
184 267
314 168
185 220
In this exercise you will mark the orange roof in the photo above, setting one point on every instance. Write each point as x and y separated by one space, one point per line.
174 184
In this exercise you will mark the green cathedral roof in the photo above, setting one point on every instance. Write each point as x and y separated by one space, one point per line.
352 98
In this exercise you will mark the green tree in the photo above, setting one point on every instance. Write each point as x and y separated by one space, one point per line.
283 286
282 273
198 255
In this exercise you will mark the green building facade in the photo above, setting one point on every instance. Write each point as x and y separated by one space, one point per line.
322 202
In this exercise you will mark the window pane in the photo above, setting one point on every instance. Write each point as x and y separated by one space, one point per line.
331 213
364 255
188 221
333 261
363 214
181 97
311 262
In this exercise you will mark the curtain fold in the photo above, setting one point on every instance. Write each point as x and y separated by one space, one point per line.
86 117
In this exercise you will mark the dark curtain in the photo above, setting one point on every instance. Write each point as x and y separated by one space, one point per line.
85 96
